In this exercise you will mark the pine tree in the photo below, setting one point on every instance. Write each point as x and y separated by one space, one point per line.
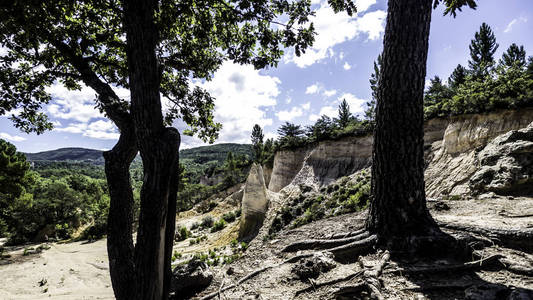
458 77
482 49
514 56
289 130
13 178
529 69
435 97
345 116
370 112
257 143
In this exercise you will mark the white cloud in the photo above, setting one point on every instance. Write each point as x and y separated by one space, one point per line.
332 111
13 138
104 130
289 115
313 117
242 94
312 89
346 66
333 29
357 105
72 105
329 111
329 93
513 22
306 106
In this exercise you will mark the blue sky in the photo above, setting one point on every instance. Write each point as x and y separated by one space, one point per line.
302 88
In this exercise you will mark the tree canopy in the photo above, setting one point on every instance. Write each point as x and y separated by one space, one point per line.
482 49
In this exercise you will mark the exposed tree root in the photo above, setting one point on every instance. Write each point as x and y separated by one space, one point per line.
255 273
516 268
324 244
316 285
512 238
436 287
354 249
474 265
346 234
371 282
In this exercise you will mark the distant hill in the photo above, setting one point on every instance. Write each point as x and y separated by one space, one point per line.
67 154
199 155
218 152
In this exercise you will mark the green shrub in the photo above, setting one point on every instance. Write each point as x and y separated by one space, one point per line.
182 234
229 217
219 225
207 222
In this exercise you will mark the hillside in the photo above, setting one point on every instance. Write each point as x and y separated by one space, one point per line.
64 154
198 155
216 152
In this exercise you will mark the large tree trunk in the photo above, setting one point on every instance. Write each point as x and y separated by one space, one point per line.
158 147
120 218
399 205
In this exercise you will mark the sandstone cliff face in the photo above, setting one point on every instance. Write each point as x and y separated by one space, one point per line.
254 203
451 153
454 159
287 164
506 164
267 172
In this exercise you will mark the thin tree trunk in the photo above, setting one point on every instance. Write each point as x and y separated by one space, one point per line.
399 205
120 217
158 147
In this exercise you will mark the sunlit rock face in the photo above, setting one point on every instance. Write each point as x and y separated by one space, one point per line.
454 159
287 163
254 203
506 164
451 147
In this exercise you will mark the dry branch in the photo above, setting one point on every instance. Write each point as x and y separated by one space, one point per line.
324 244
521 239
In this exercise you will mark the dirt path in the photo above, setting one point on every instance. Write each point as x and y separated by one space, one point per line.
71 271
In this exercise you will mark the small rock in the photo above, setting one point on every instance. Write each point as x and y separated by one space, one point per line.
520 294
487 196
230 271
190 278
440 206
486 291
312 267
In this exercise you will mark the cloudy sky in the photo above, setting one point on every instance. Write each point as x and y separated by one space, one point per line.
300 89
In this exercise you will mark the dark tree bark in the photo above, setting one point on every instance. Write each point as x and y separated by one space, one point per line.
120 218
398 209
158 147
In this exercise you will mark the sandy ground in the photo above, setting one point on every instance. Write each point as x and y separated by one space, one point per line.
71 271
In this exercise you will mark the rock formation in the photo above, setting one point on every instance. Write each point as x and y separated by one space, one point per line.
254 203
451 152
506 164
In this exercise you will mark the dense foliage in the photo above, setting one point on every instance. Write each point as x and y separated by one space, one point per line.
52 200
486 85
63 193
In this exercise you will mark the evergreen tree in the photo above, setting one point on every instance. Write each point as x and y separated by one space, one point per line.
514 56
398 211
529 69
322 129
13 179
345 116
482 49
435 98
257 143
370 112
458 77
290 130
